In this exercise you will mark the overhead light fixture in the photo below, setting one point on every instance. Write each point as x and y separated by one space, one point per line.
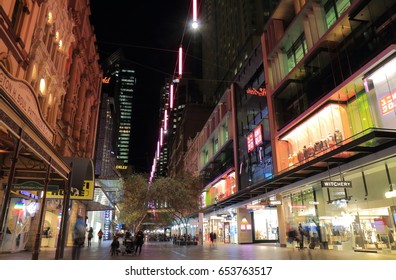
390 194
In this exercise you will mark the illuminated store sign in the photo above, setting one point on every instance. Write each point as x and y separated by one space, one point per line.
336 184
255 138
387 103
258 92
258 135
121 167
250 142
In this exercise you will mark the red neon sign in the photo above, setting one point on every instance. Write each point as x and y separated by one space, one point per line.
259 92
387 103
258 135
250 142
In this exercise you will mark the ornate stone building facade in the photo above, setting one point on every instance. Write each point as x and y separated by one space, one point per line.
50 84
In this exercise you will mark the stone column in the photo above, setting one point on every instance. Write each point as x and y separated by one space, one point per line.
81 104
281 222
73 85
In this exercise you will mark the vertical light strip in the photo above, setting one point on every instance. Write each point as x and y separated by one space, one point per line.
180 61
161 136
171 97
158 149
166 121
195 11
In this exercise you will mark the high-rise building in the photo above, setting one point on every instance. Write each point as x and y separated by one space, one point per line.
117 68
231 30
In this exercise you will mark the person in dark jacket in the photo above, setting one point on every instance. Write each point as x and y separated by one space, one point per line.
139 239
90 236
302 233
114 246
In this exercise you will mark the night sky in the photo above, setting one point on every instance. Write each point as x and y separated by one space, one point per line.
150 33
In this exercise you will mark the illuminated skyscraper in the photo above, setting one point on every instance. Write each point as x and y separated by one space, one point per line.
118 69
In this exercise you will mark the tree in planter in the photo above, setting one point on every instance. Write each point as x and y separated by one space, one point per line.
180 194
134 199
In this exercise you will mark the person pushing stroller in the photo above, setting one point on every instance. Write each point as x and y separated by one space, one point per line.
129 247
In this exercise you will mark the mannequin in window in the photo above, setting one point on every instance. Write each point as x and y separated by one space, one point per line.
300 155
305 151
324 143
330 139
318 146
338 136
311 150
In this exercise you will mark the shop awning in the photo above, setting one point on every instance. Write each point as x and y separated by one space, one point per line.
82 179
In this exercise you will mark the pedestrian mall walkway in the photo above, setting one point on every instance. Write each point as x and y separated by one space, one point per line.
169 251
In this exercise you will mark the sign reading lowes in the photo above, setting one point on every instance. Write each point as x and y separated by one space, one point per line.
336 184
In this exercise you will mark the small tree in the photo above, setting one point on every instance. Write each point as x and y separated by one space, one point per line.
133 200
181 194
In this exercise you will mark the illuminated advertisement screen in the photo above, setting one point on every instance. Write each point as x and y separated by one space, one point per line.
250 142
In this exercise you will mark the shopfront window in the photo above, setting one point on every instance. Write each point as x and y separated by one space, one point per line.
266 224
18 224
362 217
299 208
321 133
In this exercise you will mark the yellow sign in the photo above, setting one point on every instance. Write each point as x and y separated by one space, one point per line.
86 193
121 166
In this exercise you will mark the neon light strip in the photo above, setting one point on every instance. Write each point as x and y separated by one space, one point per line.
171 97
161 136
180 61
194 10
166 121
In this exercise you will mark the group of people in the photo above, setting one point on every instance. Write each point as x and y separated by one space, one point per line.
79 235
298 235
136 242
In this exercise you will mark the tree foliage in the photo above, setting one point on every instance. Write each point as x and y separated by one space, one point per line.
174 200
133 200
179 196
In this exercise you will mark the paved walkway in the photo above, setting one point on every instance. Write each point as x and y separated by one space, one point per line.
168 251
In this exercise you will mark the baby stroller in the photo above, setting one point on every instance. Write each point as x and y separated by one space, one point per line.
128 247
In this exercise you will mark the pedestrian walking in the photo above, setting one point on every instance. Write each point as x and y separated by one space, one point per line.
90 236
100 235
78 235
214 238
139 241
302 233
211 237
115 245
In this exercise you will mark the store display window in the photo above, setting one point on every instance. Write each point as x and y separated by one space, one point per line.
266 224
320 133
